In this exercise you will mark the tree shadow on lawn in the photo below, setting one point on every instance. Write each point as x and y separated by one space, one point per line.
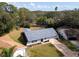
22 39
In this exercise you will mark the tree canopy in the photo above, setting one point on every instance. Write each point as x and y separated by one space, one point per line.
7 19
11 17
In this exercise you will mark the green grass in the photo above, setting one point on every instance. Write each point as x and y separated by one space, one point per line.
45 50
0 50
15 34
36 28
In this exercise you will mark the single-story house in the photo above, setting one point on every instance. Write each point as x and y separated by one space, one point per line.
68 33
38 36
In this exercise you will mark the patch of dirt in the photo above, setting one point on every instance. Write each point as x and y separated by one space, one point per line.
6 42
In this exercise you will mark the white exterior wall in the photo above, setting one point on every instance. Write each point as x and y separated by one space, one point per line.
45 39
31 43
20 51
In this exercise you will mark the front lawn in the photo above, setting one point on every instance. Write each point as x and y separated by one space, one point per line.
43 50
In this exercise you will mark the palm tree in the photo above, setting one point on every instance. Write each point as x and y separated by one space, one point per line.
56 8
7 52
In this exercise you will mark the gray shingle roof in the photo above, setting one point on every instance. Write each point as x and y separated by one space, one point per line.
39 34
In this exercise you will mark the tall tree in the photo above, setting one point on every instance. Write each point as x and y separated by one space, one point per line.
7 19
25 16
56 8
41 20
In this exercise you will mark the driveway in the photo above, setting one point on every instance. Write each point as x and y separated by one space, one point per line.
63 48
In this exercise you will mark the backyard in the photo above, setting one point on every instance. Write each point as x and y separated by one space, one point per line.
43 50
16 36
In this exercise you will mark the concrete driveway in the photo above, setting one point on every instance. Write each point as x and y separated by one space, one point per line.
63 48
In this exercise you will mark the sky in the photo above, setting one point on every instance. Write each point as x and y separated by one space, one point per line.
46 6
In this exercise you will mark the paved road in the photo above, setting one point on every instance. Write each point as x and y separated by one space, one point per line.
63 48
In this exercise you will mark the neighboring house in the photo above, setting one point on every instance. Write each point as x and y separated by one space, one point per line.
7 8
20 51
38 36
68 33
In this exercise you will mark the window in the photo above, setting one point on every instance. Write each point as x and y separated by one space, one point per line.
72 38
47 41
20 55
34 41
